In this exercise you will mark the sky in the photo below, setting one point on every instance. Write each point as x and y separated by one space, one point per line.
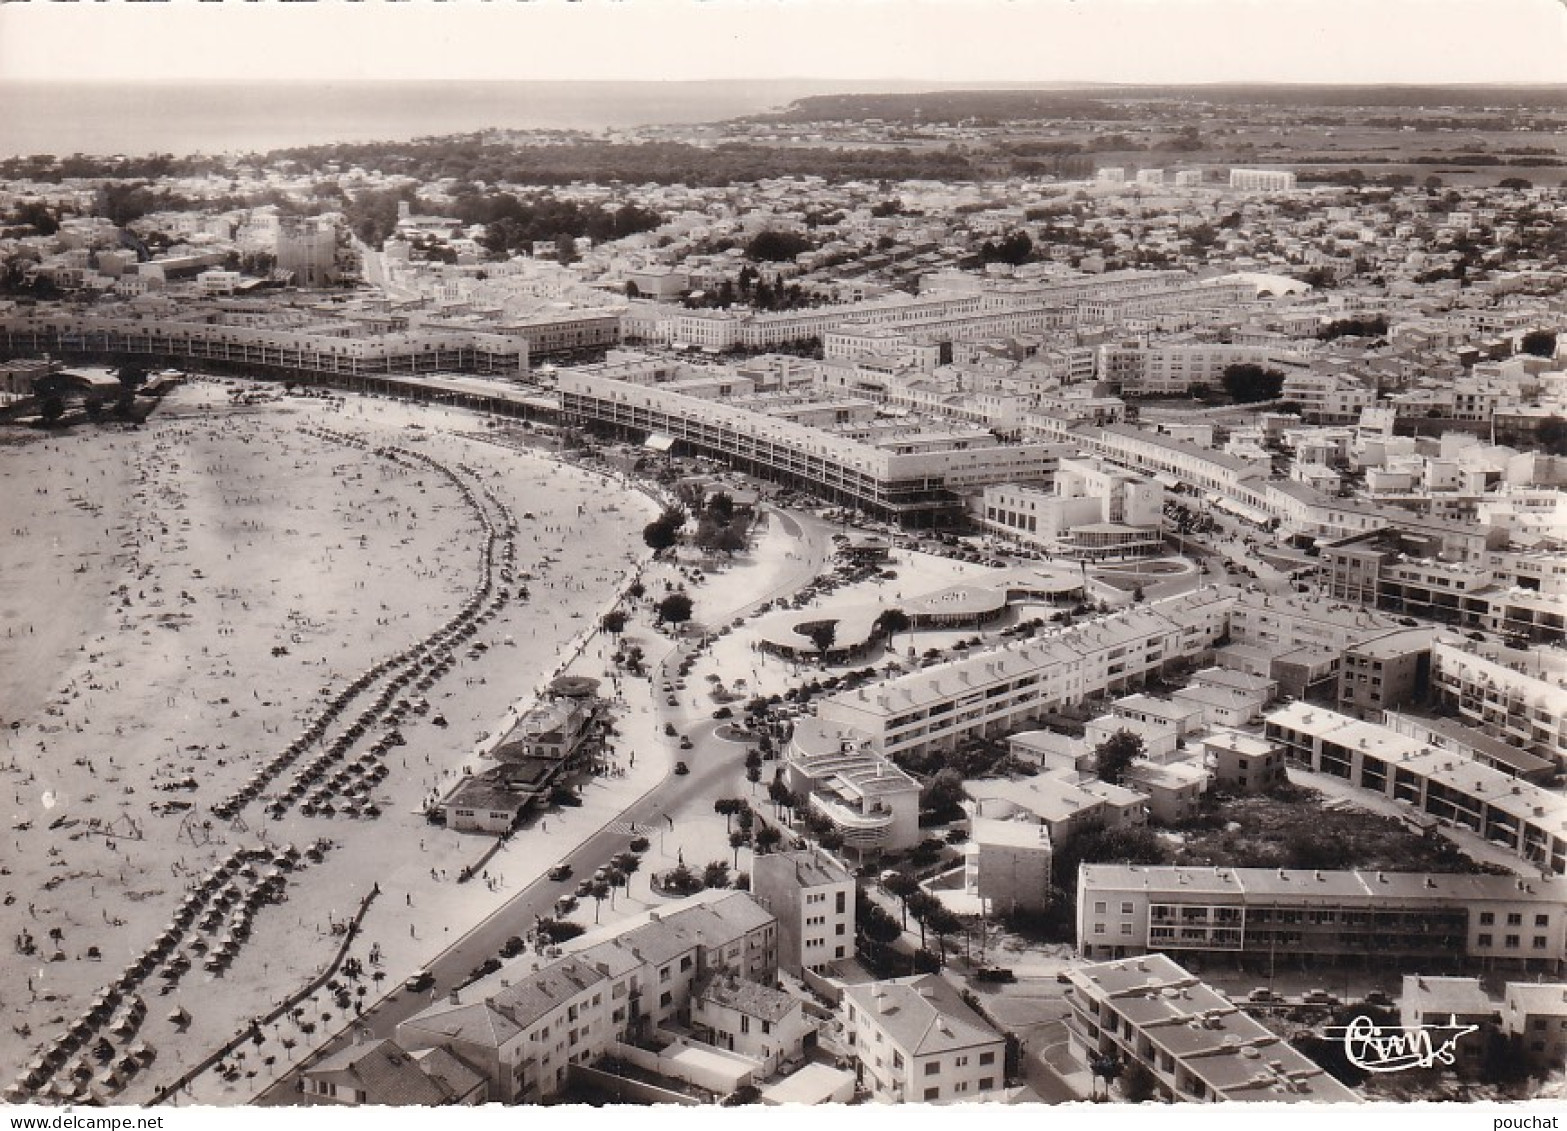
1383 41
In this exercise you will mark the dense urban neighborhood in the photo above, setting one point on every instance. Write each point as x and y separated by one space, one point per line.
974 597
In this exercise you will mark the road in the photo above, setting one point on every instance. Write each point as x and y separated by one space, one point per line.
714 764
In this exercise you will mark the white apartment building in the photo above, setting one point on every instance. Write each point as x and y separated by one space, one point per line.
1262 180
872 804
1387 917
1198 1046
1516 695
813 899
1095 511
910 478
1006 864
999 690
1173 368
914 1040
1524 818
527 1024
1327 398
348 353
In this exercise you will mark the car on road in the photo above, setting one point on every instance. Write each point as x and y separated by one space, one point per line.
1379 997
681 768
1262 994
1319 997
484 969
669 729
672 701
420 981
560 872
584 887
724 713
994 974
685 742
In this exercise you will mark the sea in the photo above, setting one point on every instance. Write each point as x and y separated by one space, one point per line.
102 119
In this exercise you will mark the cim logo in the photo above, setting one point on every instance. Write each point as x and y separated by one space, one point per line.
1375 1048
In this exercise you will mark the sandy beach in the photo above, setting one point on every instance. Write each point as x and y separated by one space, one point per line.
182 605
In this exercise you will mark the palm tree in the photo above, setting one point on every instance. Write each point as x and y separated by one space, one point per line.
599 891
737 841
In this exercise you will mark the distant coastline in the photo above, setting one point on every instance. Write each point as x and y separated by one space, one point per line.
185 118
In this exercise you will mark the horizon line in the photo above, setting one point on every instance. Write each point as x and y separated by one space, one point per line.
992 84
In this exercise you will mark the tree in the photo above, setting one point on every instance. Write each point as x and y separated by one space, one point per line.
767 838
1514 183
131 378
904 887
775 247
682 881
674 609
51 408
613 622
1551 434
942 923
664 531
599 891
1539 343
778 793
872 921
823 634
715 875
944 795
1115 754
753 774
727 807
890 622
565 249
632 290
1106 1067
1248 383
1138 1085
737 841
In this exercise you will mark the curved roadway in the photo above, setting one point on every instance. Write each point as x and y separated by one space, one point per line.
712 776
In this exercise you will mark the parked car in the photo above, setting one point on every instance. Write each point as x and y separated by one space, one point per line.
1319 997
681 768
724 713
639 844
420 981
685 742
560 872
584 887
994 974
1261 994
669 729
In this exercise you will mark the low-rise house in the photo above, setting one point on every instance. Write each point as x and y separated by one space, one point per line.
381 1074
745 1017
1535 1015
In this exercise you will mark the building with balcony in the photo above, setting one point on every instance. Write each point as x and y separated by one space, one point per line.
908 478
1523 818
1516 695
992 692
1194 1042
1006 863
1294 915
870 802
